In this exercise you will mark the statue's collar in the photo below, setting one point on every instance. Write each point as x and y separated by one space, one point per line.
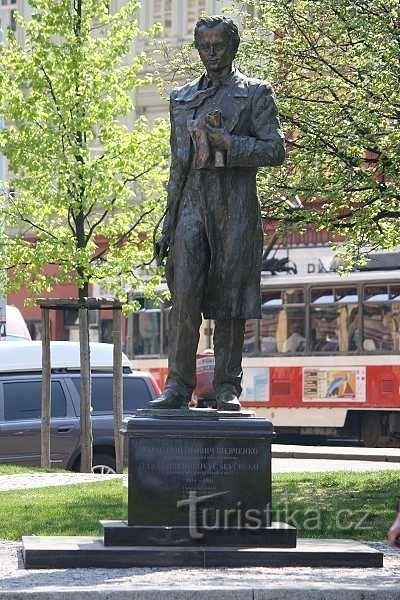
199 87
205 82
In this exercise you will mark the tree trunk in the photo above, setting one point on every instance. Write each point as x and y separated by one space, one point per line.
85 407
45 460
118 390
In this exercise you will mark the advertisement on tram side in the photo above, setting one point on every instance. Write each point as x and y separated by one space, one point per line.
345 384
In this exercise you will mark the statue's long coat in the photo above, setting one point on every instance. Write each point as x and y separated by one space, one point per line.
223 202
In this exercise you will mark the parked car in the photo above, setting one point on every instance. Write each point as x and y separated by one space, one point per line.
20 403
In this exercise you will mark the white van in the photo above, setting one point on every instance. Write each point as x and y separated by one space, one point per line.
25 356
15 327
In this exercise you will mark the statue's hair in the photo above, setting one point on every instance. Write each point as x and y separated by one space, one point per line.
230 28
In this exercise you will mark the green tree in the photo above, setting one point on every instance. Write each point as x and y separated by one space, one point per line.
85 190
334 65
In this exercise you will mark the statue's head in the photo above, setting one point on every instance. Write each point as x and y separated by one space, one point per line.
217 40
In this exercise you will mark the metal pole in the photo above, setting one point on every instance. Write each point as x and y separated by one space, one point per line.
3 323
118 389
46 390
2 158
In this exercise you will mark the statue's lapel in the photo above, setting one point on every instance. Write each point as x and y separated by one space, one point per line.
235 101
190 96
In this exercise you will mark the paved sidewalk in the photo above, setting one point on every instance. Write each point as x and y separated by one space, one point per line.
198 584
38 480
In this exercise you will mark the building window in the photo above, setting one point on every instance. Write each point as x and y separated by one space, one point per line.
35 329
147 330
13 22
195 8
162 13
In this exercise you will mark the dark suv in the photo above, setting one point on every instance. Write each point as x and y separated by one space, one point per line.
20 408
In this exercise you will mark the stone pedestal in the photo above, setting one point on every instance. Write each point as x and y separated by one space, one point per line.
199 477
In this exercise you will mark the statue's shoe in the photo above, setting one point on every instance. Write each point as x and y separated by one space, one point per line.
227 400
169 399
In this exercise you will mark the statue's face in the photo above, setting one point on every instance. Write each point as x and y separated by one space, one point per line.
214 48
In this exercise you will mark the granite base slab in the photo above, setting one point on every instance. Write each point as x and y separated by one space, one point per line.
193 413
277 535
66 552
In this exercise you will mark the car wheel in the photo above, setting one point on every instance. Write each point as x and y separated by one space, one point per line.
103 464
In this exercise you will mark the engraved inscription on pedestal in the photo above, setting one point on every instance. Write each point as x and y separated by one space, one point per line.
165 472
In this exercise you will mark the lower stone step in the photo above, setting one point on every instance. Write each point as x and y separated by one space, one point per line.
66 552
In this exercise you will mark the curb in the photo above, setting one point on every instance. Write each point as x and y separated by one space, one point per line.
315 453
282 593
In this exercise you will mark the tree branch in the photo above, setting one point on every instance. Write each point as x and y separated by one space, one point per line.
124 237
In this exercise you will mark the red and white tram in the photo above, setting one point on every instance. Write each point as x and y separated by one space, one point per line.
323 360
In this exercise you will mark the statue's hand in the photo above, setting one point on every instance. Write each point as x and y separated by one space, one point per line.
161 248
219 138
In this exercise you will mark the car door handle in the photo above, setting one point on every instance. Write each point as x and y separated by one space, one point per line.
63 429
18 432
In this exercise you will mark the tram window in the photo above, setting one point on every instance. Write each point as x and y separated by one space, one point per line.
334 329
395 292
294 296
146 332
282 327
346 295
381 327
250 345
324 330
322 296
294 336
395 326
376 293
271 299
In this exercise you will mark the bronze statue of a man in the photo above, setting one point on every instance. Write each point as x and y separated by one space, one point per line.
224 126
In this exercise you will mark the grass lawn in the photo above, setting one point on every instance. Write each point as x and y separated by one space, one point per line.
16 470
337 505
356 505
